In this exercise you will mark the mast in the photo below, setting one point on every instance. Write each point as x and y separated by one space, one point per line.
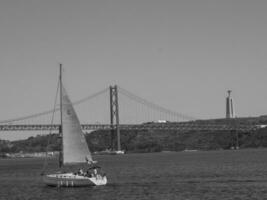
61 128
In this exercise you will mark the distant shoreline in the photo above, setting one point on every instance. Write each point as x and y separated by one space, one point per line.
133 153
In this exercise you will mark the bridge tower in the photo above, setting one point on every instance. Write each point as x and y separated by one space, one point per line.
114 117
230 115
230 112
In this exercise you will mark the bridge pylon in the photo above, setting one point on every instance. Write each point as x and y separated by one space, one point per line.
114 117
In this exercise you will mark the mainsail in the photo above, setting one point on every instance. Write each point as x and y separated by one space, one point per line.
75 149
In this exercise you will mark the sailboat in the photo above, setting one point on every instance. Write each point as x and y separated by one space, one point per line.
74 151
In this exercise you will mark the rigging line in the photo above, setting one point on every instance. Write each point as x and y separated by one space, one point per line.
50 131
153 105
52 110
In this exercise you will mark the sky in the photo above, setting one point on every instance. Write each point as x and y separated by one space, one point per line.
181 54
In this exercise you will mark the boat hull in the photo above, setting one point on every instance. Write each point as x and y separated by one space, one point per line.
72 180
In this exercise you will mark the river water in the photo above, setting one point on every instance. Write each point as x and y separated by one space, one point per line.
197 175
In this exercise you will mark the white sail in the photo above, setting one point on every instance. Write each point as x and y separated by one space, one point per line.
75 149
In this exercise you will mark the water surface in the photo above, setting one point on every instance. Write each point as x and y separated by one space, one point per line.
181 175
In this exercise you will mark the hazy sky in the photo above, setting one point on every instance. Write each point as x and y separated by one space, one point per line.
181 54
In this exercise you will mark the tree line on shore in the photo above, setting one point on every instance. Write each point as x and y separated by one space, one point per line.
150 140
145 141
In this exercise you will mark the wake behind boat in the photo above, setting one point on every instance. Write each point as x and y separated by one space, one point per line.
75 151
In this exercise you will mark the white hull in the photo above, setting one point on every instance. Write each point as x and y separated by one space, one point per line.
72 180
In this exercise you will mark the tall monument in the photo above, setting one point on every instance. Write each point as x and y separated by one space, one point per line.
230 112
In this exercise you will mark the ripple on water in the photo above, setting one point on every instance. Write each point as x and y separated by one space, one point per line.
182 175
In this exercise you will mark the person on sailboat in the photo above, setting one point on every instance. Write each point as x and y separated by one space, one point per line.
80 172
95 171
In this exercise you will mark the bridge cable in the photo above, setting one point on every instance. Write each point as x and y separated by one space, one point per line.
52 110
153 105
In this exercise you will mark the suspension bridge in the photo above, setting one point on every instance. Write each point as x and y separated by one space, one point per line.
120 110
116 109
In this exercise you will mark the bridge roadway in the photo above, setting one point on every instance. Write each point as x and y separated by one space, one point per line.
182 126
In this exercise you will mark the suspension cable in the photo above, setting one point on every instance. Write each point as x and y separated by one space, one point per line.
153 105
52 110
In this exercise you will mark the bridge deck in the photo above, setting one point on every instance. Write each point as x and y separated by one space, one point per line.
152 126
